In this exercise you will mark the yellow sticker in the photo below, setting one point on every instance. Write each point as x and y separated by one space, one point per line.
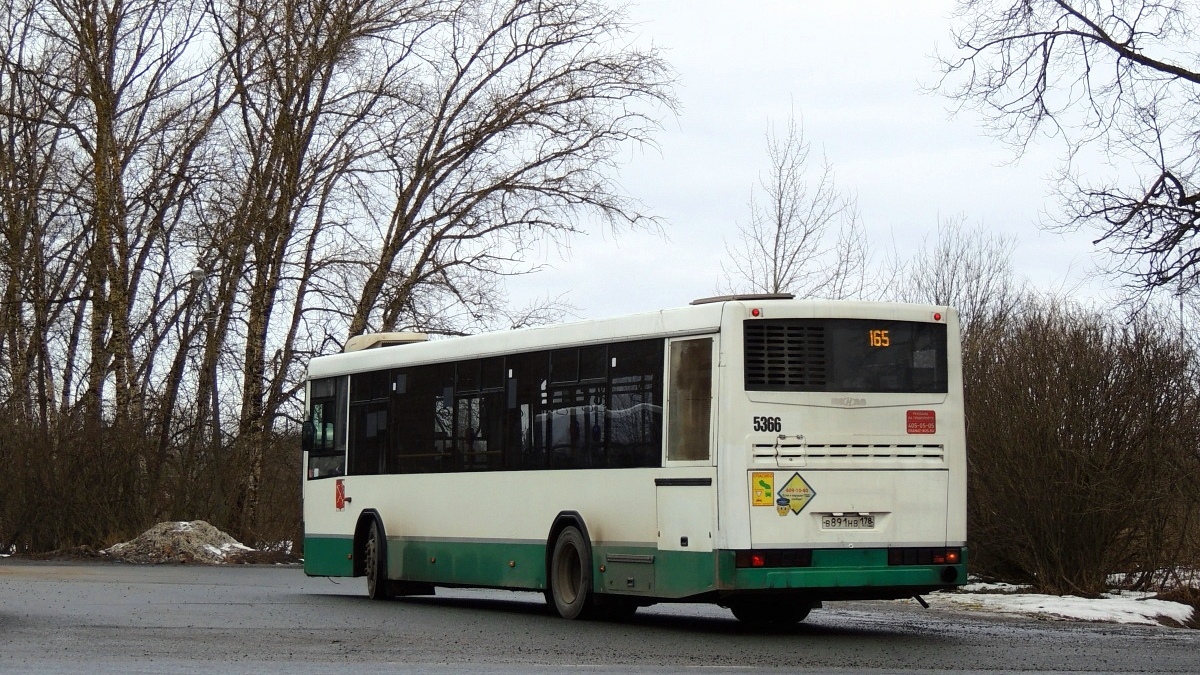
762 488
795 495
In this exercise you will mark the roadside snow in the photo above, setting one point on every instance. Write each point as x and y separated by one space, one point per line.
1120 607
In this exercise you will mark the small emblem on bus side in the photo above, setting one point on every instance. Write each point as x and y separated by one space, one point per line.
921 422
762 488
849 401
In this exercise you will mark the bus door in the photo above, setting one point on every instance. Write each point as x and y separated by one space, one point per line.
686 493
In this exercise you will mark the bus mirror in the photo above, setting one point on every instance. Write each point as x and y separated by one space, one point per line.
307 431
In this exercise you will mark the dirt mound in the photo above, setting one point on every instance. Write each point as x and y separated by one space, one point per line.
180 542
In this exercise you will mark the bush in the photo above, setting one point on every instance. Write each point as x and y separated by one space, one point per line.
1080 432
93 485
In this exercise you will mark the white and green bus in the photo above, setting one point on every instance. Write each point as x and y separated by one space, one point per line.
757 452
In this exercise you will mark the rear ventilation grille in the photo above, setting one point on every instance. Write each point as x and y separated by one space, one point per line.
785 356
789 453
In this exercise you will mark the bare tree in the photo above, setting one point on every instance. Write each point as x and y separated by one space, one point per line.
40 242
302 97
786 244
197 197
1117 82
394 160
968 269
38 249
512 133
133 114
106 103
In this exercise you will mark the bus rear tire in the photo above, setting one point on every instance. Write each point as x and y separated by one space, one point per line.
770 614
375 562
570 577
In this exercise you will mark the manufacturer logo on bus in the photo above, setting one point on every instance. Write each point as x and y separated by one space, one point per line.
849 401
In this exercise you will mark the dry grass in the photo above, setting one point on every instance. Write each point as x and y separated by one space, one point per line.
1187 595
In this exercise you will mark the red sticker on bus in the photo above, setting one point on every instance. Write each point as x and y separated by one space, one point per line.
922 422
339 495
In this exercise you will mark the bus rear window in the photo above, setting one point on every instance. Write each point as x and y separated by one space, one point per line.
845 355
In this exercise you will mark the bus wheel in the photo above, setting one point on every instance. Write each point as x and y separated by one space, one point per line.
571 575
373 560
762 614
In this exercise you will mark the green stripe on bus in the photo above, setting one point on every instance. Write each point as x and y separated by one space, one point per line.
649 572
522 565
328 556
627 570
516 565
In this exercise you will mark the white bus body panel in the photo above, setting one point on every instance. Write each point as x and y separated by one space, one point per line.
854 450
908 507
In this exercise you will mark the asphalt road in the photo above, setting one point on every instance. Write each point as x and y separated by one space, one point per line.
93 617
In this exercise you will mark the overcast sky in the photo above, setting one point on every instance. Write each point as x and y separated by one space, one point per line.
854 72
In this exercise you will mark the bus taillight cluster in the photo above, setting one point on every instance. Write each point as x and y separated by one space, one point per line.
924 556
798 557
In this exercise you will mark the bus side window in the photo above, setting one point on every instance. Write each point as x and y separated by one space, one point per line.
369 436
635 404
690 400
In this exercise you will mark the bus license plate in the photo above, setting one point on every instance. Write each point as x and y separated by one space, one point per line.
847 522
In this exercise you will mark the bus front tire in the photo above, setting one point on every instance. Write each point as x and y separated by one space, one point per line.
374 554
571 575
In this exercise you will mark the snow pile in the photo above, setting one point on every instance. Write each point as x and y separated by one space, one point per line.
180 542
1116 607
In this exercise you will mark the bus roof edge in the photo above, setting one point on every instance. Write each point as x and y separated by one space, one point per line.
373 340
744 296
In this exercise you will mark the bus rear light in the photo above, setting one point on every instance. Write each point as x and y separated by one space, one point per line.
775 558
751 559
924 556
756 312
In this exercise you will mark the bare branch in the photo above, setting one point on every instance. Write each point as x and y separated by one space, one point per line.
1117 83
786 246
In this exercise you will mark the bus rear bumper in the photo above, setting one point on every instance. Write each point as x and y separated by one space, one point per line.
841 574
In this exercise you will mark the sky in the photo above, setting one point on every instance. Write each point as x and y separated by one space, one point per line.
855 74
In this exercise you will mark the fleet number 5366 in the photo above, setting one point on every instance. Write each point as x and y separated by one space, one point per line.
768 424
